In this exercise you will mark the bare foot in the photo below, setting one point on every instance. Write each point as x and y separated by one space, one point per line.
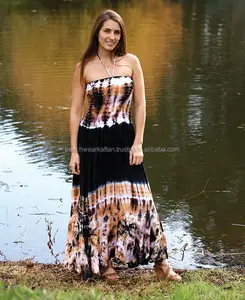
109 273
164 271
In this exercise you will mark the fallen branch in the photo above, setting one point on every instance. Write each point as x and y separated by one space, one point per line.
225 254
51 241
3 255
183 250
242 225
202 192
205 192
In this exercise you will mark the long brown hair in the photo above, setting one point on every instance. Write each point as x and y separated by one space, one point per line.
93 45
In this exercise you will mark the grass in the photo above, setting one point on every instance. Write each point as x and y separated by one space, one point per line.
27 280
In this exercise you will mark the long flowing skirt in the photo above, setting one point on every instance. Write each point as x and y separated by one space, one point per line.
113 216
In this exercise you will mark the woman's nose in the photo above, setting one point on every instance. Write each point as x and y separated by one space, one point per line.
112 36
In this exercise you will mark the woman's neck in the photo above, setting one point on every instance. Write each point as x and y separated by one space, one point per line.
106 56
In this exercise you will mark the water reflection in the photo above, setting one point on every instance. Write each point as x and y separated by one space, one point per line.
30 194
192 53
40 77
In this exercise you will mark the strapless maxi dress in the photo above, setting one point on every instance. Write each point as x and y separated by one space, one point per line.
113 217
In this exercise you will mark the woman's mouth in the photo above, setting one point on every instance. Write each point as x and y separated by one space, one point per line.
110 43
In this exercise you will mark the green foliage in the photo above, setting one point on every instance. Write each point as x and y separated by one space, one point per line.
205 291
20 292
184 291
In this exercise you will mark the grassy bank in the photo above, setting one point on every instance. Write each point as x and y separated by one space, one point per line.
26 280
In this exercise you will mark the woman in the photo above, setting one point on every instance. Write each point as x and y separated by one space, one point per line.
113 217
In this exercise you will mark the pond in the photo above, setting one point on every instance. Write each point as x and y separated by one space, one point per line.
193 57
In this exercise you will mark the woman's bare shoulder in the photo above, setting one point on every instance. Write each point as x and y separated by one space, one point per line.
132 58
89 66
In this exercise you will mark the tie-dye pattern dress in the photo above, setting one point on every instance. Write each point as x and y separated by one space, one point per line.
113 215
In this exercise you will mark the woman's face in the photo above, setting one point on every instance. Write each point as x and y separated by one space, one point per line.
109 35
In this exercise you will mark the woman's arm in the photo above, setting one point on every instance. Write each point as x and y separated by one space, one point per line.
77 107
136 155
139 101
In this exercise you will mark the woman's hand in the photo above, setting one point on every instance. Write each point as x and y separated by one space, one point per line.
136 154
75 163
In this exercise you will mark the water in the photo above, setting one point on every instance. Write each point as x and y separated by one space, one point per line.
193 57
